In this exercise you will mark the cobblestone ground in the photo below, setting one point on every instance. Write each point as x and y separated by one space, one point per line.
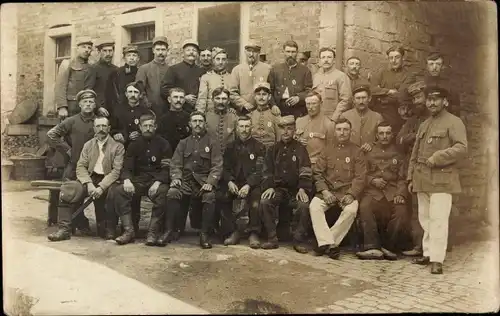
469 283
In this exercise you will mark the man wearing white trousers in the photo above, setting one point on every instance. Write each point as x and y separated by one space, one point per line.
433 175
339 174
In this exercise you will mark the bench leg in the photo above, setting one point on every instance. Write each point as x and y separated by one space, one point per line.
53 205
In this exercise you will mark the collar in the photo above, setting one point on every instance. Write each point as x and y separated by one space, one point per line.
292 66
340 145
253 66
221 112
189 65
87 118
440 114
263 108
104 63
222 72
80 60
352 77
102 143
158 63
243 142
396 70
200 135
134 106
328 71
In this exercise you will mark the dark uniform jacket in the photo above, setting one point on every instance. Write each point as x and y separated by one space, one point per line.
174 126
142 161
115 91
407 135
388 164
102 71
126 120
243 162
185 76
287 166
197 157
341 169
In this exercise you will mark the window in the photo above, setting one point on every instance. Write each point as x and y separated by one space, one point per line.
142 37
63 50
220 26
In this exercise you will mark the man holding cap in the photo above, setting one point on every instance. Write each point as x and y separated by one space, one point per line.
265 123
73 78
441 141
102 71
185 75
153 72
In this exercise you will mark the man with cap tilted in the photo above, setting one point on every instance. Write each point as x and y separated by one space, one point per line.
102 71
441 141
153 72
333 85
265 123
206 59
286 185
185 75
98 168
77 76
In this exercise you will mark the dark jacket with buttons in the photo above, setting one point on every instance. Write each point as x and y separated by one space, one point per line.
115 90
185 76
126 121
243 162
102 71
174 126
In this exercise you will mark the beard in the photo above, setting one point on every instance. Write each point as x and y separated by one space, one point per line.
290 61
147 135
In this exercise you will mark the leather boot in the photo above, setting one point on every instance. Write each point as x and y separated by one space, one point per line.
128 234
436 268
110 233
234 239
271 243
152 236
101 229
60 234
64 231
172 209
205 241
253 241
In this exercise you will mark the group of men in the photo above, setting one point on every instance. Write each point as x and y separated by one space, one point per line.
271 152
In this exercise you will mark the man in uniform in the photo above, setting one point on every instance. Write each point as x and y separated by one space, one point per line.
333 85
339 175
195 169
206 59
389 86
217 77
353 66
69 136
99 166
174 124
363 120
102 71
286 185
383 209
289 82
221 122
441 141
77 76
143 174
153 72
240 185
265 123
185 75
304 59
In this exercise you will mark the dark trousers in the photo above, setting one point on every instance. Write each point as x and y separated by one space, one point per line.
284 201
234 210
80 221
383 223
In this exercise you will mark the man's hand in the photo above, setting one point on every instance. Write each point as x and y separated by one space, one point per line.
128 186
207 187
97 193
165 162
233 188
347 199
275 110
102 111
119 138
328 197
303 141
429 163
90 188
292 101
410 186
366 147
134 135
399 200
62 112
268 194
392 91
249 107
175 183
153 188
302 196
191 99
244 191
379 183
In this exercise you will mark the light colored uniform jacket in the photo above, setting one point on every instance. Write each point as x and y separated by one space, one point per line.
335 89
244 80
208 83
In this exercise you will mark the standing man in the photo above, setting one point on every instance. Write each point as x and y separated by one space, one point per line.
102 71
174 124
206 60
383 209
389 86
153 72
76 77
432 174
304 59
143 174
240 183
217 77
69 136
364 121
333 85
353 66
287 183
185 75
99 166
339 175
195 170
290 81
265 123
221 122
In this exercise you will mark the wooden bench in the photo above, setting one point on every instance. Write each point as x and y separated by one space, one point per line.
54 188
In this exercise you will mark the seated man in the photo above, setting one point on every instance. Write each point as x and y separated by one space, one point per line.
339 174
99 166
383 210
142 174
195 170
287 182
240 182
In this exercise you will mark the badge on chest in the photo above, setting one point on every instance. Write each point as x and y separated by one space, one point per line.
153 158
207 149
294 158
136 121
347 159
252 157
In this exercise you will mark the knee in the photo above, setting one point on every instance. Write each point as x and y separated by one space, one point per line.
208 197
400 212
266 203
316 206
302 207
351 209
174 194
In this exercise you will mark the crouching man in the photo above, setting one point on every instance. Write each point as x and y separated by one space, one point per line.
383 209
99 166
142 174
339 174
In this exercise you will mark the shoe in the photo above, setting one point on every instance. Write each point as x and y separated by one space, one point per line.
234 239
415 252
85 231
321 250
389 255
271 243
110 233
254 241
101 229
421 261
176 235
205 241
59 235
334 252
165 238
152 236
128 234
436 268
371 254
300 247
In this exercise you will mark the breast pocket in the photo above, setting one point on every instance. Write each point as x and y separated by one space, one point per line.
438 139
442 177
331 92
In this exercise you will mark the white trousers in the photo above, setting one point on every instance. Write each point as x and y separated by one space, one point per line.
433 213
331 235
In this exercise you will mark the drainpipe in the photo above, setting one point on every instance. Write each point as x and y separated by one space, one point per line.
339 59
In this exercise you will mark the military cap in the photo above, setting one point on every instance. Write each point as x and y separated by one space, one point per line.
105 42
72 192
253 44
160 39
262 85
435 91
130 49
85 94
353 57
434 56
287 120
139 85
217 50
416 87
361 87
84 40
191 42
396 48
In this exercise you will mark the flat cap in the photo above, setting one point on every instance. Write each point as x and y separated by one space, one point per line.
416 87
435 91
85 94
361 87
253 44
160 39
434 56
287 120
104 42
191 42
84 40
72 192
130 49
217 50
139 85
262 85
396 48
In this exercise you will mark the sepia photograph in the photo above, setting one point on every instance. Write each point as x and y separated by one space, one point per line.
267 157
